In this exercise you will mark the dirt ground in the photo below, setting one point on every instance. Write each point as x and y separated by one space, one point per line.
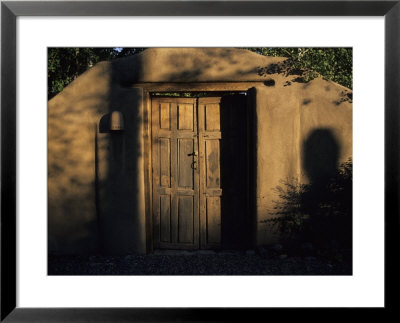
250 262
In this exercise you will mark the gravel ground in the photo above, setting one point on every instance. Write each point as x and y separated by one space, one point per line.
197 263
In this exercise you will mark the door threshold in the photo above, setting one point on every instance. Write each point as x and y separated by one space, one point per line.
175 252
205 252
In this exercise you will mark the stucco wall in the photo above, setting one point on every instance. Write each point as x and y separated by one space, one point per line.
197 65
95 178
72 127
326 118
301 131
276 130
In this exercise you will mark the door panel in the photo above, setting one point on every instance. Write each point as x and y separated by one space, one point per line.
175 182
186 116
223 171
165 218
185 219
212 117
185 171
165 115
212 163
213 220
165 162
210 185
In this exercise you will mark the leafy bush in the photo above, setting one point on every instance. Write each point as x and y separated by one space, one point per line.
334 63
317 212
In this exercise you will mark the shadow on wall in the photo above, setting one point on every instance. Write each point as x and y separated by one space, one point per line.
320 211
320 156
118 177
198 69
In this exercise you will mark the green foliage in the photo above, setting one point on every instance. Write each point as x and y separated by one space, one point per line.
335 64
290 216
66 64
317 212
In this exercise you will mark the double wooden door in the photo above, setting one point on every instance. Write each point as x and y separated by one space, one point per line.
186 165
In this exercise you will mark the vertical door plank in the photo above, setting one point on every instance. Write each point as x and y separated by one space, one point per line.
213 215
174 173
155 121
185 219
210 159
212 163
165 218
165 162
185 176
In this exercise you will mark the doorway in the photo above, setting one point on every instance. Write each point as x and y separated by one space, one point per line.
199 172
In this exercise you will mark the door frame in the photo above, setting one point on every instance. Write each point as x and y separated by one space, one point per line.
148 89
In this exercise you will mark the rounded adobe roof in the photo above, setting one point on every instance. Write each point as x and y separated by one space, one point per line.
195 65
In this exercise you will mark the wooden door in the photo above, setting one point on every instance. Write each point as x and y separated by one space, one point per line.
199 172
210 172
175 173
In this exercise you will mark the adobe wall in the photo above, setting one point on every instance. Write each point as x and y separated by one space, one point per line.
195 65
72 126
302 131
95 178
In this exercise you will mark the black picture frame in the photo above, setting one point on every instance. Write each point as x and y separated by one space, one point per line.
10 10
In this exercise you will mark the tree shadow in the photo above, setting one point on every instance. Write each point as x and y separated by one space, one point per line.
319 212
119 212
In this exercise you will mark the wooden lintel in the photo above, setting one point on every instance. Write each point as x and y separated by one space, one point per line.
203 87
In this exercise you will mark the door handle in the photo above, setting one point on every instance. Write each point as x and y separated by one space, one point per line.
193 165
